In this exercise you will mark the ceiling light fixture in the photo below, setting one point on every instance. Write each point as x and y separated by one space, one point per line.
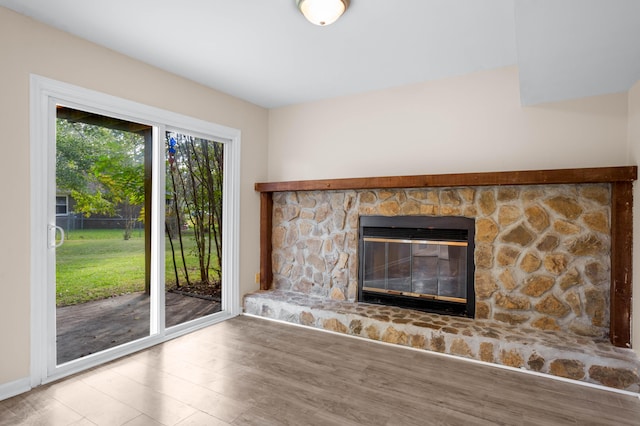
322 12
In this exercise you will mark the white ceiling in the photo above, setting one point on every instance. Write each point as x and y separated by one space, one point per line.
265 52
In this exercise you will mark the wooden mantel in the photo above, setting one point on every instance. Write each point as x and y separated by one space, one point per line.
620 178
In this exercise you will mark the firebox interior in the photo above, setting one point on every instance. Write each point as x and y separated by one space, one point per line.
419 262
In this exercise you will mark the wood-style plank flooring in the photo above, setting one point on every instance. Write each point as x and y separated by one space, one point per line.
250 371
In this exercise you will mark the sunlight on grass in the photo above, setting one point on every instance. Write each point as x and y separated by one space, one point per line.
96 264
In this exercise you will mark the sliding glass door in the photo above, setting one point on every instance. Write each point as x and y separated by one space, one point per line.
134 229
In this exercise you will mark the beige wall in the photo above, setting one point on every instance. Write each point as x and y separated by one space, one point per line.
634 153
29 47
463 124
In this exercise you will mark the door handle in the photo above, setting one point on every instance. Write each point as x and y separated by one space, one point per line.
53 231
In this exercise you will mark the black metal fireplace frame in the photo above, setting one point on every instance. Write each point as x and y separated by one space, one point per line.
420 227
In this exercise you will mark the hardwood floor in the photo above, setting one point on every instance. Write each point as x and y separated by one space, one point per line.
250 371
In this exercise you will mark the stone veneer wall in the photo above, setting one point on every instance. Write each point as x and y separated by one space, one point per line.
542 252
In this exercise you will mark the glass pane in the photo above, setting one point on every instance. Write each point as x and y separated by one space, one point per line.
452 271
425 268
61 205
102 291
399 266
374 264
193 227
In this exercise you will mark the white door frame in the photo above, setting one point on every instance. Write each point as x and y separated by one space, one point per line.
45 94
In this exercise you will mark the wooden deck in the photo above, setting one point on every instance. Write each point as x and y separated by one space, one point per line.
102 324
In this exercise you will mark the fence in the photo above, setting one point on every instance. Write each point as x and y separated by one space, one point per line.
76 221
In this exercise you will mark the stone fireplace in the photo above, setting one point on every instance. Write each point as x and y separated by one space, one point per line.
542 254
550 265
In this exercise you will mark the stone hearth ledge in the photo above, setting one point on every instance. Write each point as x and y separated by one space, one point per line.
549 352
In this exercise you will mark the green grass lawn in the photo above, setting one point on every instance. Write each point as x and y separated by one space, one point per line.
96 264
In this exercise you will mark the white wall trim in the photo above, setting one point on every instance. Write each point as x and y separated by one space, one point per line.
10 389
232 302
38 244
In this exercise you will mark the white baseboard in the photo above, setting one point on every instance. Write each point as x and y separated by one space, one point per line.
7 390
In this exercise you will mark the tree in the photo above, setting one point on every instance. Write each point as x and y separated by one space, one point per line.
77 149
121 172
102 168
196 176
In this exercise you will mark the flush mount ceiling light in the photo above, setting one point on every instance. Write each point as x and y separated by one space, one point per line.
322 12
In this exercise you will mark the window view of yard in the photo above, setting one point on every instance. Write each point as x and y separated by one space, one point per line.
103 205
112 265
101 257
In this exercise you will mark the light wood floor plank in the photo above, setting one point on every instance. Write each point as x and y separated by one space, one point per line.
250 371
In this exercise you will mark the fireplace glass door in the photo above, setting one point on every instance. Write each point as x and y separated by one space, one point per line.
418 268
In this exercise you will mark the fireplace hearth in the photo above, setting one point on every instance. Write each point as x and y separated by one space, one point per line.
418 262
